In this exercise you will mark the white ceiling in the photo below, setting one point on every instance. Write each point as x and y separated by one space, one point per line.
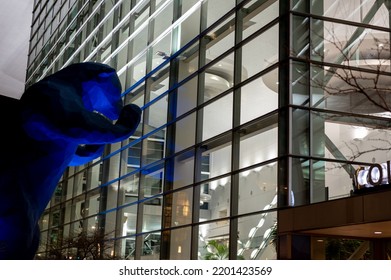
15 23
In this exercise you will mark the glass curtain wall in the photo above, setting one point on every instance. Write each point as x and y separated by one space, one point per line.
338 105
201 171
334 98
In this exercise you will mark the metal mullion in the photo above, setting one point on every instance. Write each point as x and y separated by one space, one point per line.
199 121
170 149
235 145
140 206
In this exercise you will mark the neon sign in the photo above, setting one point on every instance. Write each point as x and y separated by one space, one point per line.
372 176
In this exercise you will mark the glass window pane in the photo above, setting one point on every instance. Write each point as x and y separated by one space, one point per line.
258 145
214 236
258 189
153 147
187 96
151 246
93 203
218 77
216 157
300 84
161 50
354 10
263 90
162 21
354 138
220 39
300 192
258 14
258 237
129 220
152 182
260 53
215 9
215 199
188 62
180 244
181 207
132 157
185 132
152 215
217 117
130 185
189 28
301 132
183 169
354 91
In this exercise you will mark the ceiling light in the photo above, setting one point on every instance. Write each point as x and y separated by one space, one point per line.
378 232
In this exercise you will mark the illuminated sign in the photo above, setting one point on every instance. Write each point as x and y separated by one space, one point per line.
372 176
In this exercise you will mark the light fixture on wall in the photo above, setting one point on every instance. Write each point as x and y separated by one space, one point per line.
204 197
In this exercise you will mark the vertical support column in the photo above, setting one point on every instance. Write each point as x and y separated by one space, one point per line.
294 247
284 243
284 135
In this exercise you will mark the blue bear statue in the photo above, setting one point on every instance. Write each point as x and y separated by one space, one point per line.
64 119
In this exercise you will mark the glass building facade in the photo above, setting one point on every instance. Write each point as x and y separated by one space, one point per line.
250 107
